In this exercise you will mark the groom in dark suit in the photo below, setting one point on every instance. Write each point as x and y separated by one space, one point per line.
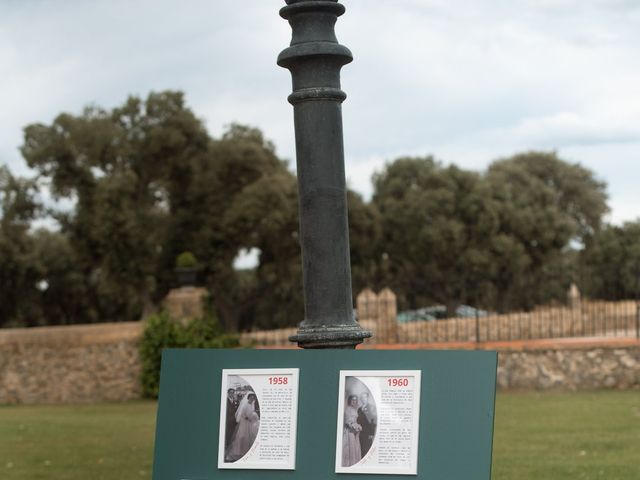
232 406
368 419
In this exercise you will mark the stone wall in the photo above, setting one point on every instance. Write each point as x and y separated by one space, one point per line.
609 366
70 364
96 363
567 364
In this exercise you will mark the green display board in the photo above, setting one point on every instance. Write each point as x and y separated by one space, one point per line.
457 394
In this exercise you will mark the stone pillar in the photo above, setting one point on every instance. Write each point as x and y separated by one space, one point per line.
367 308
185 303
387 317
573 296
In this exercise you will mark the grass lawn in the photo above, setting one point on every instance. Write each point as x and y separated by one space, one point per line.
89 442
541 436
581 436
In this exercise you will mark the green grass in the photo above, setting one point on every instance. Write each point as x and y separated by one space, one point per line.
89 442
577 436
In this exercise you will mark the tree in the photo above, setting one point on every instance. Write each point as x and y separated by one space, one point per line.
64 295
148 182
367 261
238 196
265 216
119 167
19 272
437 223
611 263
546 205
574 189
502 240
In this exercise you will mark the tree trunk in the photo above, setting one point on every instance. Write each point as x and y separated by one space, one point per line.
228 311
452 307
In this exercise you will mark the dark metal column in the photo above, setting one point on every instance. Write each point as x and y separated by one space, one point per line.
314 59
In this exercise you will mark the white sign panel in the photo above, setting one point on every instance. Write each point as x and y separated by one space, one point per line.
378 418
258 419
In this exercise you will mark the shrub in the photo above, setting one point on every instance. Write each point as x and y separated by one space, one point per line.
162 332
186 260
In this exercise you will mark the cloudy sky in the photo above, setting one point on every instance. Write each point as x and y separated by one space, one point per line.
466 81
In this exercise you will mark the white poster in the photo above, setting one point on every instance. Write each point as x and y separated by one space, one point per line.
378 418
258 419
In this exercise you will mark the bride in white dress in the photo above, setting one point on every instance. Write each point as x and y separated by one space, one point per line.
248 422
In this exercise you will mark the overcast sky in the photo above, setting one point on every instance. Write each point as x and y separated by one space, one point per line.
466 81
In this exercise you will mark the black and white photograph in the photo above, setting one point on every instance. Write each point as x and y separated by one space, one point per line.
242 418
378 422
258 418
360 419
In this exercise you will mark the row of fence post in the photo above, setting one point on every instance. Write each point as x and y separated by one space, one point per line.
378 312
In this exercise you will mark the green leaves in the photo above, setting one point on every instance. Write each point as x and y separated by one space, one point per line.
147 182
117 167
19 269
162 332
436 224
492 239
611 263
